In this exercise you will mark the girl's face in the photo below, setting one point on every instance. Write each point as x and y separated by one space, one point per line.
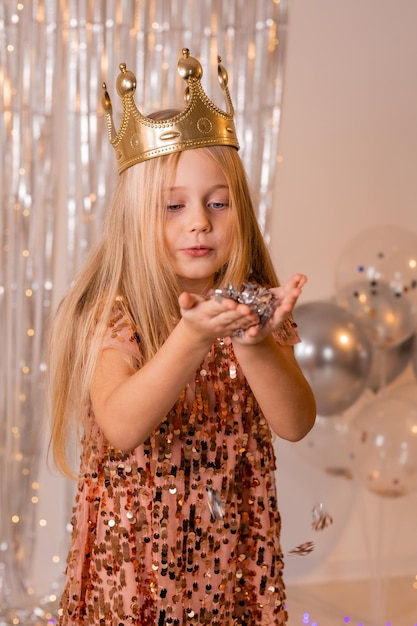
199 228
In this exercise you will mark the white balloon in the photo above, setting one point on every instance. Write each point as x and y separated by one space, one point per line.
385 445
329 447
382 254
387 317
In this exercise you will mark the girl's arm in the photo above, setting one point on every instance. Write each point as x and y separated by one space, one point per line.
128 407
272 371
284 395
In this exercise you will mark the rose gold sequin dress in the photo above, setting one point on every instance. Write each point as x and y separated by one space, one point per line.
185 529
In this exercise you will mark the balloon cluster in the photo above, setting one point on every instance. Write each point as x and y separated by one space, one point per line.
362 341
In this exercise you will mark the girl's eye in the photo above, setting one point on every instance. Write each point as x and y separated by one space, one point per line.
218 205
174 207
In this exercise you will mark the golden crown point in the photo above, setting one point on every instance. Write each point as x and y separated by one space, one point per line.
200 124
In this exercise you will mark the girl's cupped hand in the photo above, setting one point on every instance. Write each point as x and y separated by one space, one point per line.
210 318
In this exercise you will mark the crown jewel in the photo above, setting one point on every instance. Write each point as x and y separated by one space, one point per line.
200 124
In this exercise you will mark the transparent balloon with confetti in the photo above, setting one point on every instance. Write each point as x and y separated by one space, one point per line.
376 279
385 445
329 447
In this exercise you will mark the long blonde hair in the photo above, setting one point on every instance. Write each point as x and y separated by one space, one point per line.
131 263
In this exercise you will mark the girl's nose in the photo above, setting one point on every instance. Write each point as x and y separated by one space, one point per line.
199 220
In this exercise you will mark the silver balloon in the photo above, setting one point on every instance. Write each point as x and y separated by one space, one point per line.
335 355
389 363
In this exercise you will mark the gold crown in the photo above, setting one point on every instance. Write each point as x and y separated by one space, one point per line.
201 123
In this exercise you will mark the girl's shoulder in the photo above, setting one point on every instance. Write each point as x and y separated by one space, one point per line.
120 332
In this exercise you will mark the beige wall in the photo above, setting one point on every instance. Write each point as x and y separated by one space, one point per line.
348 145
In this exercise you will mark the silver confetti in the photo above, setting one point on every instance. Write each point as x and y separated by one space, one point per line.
321 519
215 504
259 299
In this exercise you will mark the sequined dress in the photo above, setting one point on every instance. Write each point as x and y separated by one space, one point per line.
184 530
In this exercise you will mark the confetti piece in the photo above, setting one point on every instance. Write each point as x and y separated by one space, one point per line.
321 518
215 504
303 549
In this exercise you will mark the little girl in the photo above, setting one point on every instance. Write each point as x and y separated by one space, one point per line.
176 390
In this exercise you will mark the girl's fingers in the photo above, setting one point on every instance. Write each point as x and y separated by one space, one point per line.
299 280
188 300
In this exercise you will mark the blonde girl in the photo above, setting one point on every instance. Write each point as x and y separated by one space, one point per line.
174 395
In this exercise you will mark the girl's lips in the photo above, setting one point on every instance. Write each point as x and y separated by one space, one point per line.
197 251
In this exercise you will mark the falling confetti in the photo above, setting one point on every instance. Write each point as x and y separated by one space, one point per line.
303 549
215 504
321 518
343 472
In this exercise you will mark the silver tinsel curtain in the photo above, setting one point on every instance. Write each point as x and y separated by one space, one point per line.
56 173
